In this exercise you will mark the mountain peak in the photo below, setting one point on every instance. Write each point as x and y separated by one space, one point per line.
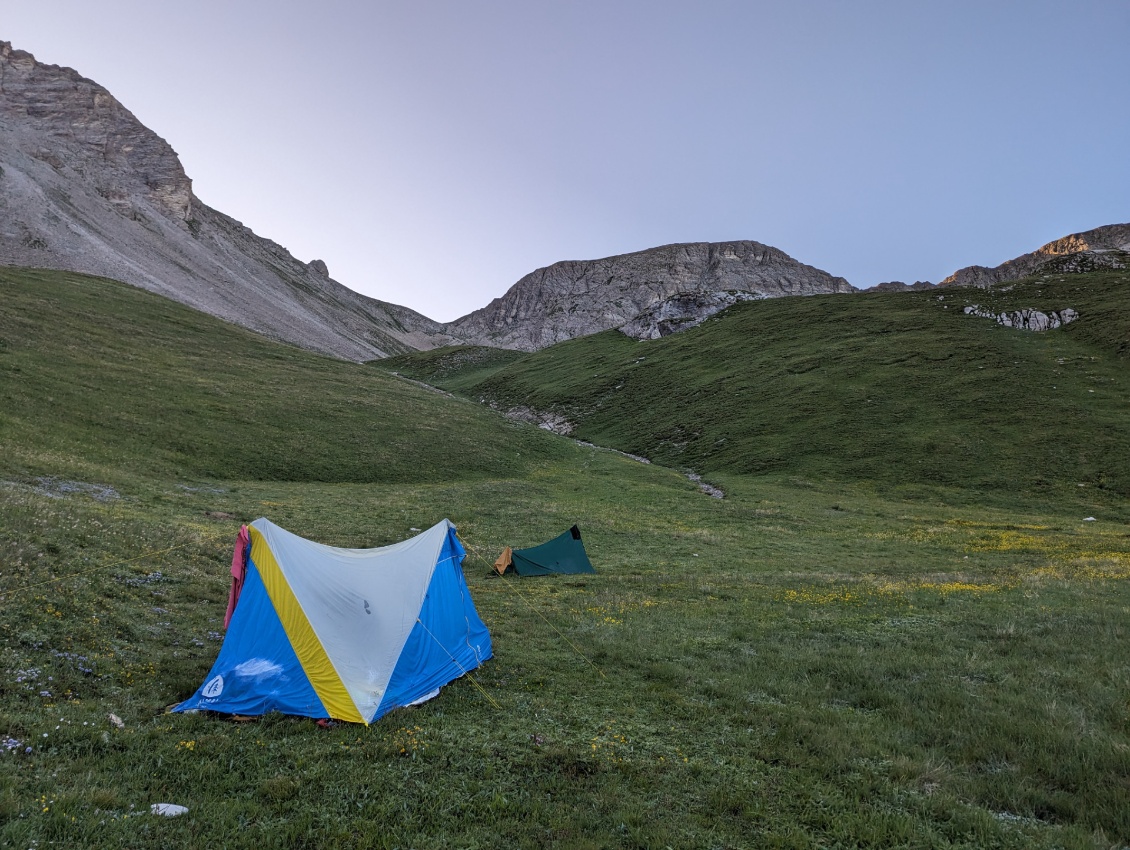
86 187
81 130
1104 247
645 293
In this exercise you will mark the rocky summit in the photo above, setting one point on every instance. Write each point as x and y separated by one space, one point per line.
85 187
900 286
646 294
1102 248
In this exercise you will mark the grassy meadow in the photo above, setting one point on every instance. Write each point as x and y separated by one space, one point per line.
824 658
892 389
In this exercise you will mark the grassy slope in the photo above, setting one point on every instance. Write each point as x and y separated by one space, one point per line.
131 380
798 665
455 367
890 388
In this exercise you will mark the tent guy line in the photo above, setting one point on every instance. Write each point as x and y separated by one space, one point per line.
522 596
455 661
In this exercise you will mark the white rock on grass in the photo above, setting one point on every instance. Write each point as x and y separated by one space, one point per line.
169 810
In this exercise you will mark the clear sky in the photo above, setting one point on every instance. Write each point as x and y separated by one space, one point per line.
434 151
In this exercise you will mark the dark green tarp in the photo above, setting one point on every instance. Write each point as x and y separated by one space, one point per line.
561 555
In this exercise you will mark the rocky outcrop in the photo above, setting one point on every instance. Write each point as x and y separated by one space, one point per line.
682 312
72 124
1027 319
1103 247
647 293
899 286
546 420
85 187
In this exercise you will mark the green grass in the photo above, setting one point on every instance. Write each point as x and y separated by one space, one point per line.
454 367
894 389
133 382
810 662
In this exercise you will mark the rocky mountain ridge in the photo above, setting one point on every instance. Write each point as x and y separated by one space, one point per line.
900 286
84 186
1103 247
646 293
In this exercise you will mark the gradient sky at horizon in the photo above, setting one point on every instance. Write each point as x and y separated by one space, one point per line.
432 153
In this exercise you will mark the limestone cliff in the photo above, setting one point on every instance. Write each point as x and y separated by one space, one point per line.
1103 247
646 294
84 186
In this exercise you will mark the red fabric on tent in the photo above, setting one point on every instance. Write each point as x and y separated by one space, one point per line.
238 571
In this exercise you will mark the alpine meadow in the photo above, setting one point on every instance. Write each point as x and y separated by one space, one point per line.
905 623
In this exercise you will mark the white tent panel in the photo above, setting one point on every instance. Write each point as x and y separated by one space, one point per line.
361 603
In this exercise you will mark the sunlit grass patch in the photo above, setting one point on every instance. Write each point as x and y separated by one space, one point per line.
408 741
883 591
1023 551
611 744
1064 557
618 612
1009 540
916 534
948 587
1094 566
857 594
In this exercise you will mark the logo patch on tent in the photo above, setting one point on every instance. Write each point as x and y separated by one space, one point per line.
214 688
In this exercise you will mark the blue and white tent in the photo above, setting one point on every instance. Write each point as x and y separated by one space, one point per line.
348 634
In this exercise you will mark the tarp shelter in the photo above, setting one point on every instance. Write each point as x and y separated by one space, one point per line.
563 554
347 634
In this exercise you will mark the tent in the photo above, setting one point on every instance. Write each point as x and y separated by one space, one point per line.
348 634
563 554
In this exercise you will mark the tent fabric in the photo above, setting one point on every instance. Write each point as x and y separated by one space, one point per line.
238 571
257 670
563 555
504 560
347 634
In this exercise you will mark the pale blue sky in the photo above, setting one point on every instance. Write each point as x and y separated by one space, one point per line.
434 152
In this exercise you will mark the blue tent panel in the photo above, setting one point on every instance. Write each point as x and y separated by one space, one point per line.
257 671
449 640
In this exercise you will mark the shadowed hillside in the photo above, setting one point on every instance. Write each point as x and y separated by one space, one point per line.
896 388
453 367
96 369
